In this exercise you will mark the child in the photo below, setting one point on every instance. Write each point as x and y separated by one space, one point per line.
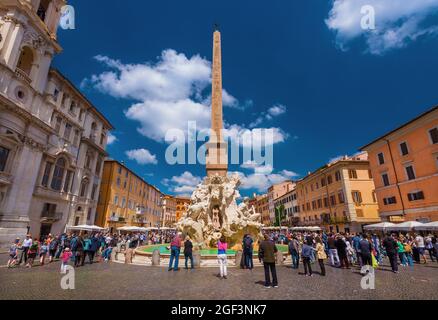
13 252
65 256
43 252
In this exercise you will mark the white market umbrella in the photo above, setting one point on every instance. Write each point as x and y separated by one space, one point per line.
382 226
128 228
86 227
405 226
433 226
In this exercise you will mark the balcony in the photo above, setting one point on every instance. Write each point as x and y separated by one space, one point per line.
21 75
51 216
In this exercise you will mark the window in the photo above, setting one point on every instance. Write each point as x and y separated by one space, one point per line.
404 148
381 158
81 113
116 200
84 188
357 197
385 179
119 170
434 135
55 94
123 202
325 202
67 131
93 191
410 172
352 174
338 175
417 195
389 200
76 138
118 181
102 138
332 200
319 203
72 107
99 166
58 174
4 153
373 194
329 179
67 181
323 182
25 62
58 124
46 174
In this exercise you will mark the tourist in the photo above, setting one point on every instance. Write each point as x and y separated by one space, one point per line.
391 249
188 253
366 249
53 248
175 247
351 253
13 253
267 251
32 253
25 248
429 247
401 252
376 245
78 251
408 252
356 245
94 247
321 255
87 245
65 257
333 252
248 251
222 247
294 249
419 241
43 251
435 247
306 253
341 247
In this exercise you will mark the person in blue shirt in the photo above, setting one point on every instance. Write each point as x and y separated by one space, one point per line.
356 245
306 253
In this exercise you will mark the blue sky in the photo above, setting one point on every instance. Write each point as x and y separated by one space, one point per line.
304 68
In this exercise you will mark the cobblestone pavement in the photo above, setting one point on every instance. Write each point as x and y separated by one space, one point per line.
119 281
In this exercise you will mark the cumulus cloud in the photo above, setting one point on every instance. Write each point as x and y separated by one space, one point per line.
398 22
111 139
167 94
142 156
183 184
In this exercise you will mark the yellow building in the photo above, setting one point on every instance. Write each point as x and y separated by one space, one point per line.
125 199
404 163
339 196
181 207
168 218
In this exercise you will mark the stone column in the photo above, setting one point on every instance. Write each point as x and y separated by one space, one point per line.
197 259
156 257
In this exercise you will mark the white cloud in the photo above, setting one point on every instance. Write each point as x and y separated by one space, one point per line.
277 110
398 22
183 184
142 156
272 112
111 138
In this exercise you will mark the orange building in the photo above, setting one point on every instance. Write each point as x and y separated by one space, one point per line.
338 196
261 205
125 199
168 218
276 191
404 163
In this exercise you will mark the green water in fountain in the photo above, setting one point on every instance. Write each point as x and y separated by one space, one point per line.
204 252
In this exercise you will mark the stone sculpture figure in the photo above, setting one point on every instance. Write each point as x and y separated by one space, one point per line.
214 212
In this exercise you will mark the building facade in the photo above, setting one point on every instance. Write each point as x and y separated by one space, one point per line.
261 205
275 191
125 199
404 163
168 218
52 139
339 196
182 204
289 204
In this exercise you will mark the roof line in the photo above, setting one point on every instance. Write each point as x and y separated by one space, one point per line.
400 127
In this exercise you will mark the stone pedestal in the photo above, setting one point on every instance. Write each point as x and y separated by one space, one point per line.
279 258
238 258
156 257
196 259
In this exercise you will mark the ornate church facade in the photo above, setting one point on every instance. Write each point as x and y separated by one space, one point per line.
52 139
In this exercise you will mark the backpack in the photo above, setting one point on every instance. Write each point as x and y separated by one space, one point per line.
53 245
248 243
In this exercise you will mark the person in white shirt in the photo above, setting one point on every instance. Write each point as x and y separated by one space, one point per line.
419 241
25 248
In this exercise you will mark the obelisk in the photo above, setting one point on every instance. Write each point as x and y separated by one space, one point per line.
217 155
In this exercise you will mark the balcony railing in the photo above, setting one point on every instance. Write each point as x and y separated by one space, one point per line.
51 216
22 75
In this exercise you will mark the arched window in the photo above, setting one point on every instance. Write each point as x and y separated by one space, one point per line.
58 174
84 187
25 61
93 131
